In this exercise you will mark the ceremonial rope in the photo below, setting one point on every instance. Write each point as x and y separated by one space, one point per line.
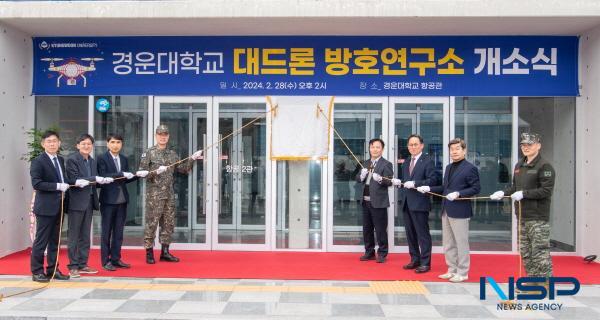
62 202
437 194
218 142
234 132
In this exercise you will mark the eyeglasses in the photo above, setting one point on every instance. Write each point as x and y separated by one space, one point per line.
414 144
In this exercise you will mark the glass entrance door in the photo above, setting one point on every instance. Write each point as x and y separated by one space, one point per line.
241 176
187 119
429 118
357 121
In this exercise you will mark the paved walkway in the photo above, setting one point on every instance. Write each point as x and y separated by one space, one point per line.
136 298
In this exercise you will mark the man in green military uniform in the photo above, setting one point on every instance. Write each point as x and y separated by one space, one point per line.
157 165
532 185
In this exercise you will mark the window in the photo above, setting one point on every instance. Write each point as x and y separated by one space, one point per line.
554 119
485 123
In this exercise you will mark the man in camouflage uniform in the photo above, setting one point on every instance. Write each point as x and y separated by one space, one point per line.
532 185
157 166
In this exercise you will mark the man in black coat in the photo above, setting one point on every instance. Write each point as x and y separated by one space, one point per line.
82 169
113 202
50 182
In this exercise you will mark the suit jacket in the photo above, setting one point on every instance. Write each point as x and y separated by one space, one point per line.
44 180
109 193
378 191
465 180
423 174
80 197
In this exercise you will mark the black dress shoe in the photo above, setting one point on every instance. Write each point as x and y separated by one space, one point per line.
366 257
109 267
381 259
58 276
411 265
40 277
121 264
422 269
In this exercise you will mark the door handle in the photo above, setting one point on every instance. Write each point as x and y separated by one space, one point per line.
220 172
206 183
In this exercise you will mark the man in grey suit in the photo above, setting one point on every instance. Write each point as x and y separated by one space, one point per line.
81 168
375 201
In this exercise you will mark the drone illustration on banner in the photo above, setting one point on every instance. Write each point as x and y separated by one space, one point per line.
72 69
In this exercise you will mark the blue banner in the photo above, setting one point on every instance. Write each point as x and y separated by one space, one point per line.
307 65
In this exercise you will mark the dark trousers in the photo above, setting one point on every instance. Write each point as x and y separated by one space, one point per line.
80 225
113 223
375 219
416 224
46 236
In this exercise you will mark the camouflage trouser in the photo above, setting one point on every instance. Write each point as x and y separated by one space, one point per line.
159 212
535 248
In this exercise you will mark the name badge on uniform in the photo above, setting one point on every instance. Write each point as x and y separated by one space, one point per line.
532 171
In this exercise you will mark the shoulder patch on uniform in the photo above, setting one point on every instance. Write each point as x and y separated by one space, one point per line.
547 173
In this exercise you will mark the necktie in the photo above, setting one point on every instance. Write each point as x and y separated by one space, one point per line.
412 166
117 164
57 168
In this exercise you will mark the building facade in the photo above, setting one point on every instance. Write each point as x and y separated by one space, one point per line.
106 67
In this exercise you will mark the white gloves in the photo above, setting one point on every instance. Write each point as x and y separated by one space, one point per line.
82 183
498 195
377 177
517 196
396 182
452 196
62 187
102 180
197 155
409 184
363 174
423 189
161 169
142 173
128 175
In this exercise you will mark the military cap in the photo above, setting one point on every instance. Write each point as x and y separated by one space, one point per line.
162 129
530 138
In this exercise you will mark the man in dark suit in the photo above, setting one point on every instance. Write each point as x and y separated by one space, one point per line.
49 182
461 179
375 178
419 171
113 202
81 168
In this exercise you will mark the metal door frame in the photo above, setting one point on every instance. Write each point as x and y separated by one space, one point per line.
446 132
269 177
155 121
414 128
196 146
328 236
